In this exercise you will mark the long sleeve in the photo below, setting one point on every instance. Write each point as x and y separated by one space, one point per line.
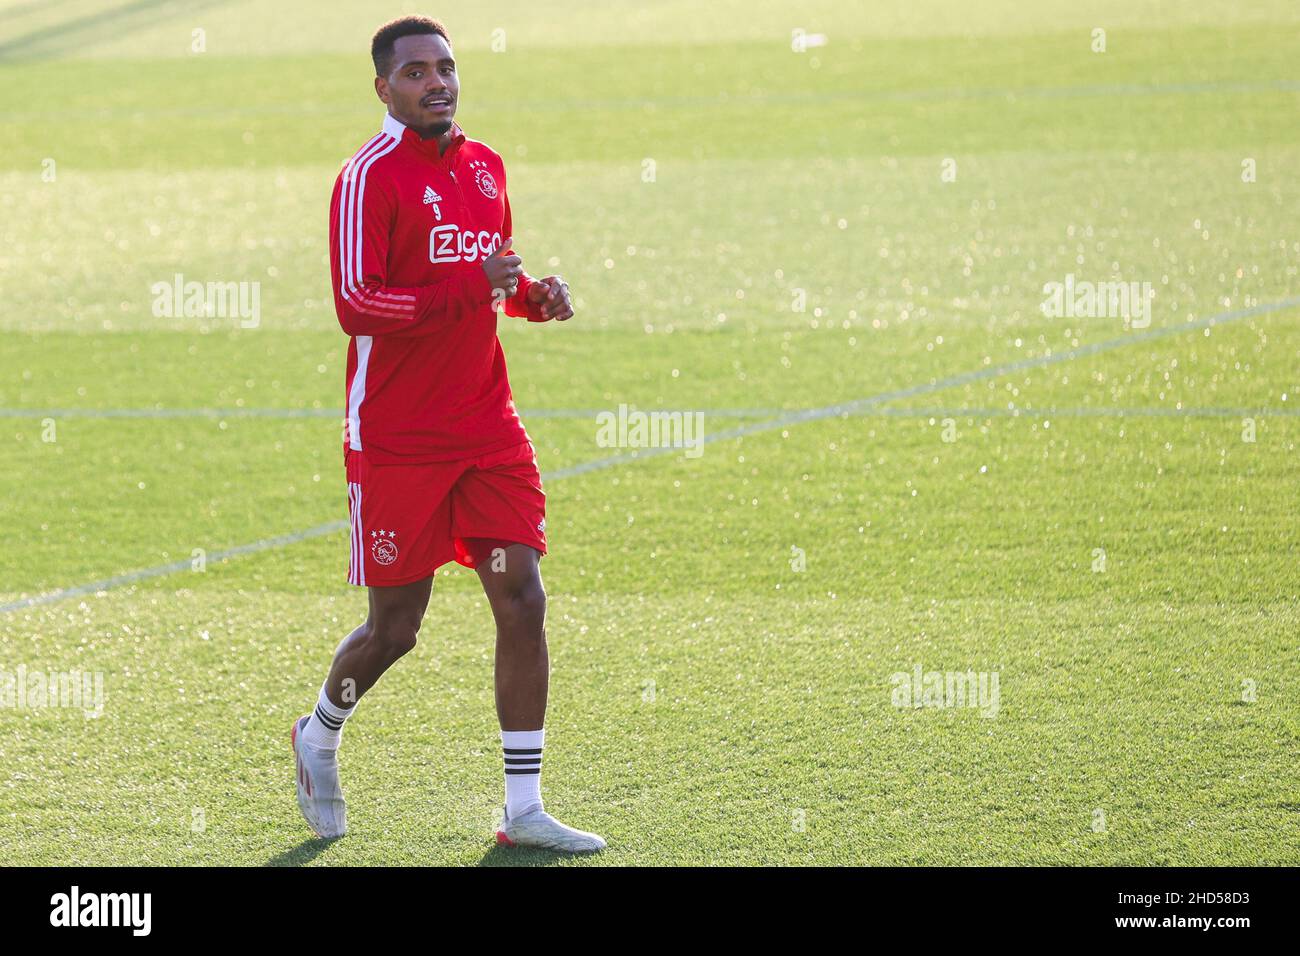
518 305
361 221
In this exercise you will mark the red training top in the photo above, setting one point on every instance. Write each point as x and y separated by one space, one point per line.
409 230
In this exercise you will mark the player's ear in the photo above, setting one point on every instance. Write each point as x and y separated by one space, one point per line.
381 89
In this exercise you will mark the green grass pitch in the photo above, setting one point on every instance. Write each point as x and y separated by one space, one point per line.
1101 514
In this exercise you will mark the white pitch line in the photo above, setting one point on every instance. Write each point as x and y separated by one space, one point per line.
165 569
858 406
842 409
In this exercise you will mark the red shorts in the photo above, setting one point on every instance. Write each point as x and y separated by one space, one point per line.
408 520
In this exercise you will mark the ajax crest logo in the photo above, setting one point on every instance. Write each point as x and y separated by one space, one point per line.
483 179
382 546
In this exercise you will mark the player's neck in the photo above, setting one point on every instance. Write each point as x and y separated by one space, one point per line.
443 139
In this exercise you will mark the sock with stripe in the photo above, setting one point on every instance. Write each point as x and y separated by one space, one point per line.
325 729
522 750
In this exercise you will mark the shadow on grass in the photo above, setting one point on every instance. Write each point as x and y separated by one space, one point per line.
501 855
303 853
498 855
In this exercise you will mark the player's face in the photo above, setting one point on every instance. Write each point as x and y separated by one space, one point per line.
422 88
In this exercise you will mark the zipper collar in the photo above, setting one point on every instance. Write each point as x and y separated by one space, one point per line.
428 147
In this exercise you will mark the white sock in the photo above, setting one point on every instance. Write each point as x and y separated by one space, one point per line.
325 729
522 750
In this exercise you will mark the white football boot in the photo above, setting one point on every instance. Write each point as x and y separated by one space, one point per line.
320 798
537 829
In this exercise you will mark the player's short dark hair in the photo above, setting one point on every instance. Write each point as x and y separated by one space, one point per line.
382 46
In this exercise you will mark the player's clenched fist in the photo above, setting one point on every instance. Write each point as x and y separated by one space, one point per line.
552 294
503 270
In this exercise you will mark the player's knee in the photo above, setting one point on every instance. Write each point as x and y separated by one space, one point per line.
396 633
523 608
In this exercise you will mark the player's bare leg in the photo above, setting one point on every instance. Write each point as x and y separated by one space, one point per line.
512 581
388 633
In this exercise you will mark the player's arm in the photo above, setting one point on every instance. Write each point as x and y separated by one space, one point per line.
538 300
366 304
